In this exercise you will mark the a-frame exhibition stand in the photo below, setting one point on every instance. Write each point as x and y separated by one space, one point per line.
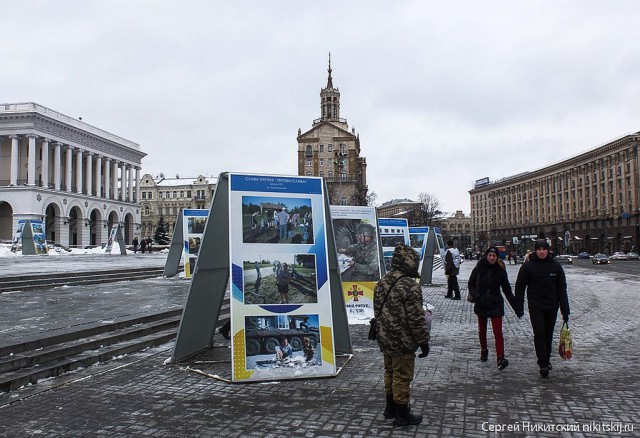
426 275
116 236
172 264
212 273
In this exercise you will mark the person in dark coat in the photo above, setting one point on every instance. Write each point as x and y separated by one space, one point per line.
546 285
143 245
485 282
401 328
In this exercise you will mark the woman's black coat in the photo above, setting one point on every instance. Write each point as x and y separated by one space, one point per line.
484 286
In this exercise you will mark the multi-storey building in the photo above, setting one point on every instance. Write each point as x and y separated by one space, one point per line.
587 202
402 208
75 177
329 150
160 196
457 227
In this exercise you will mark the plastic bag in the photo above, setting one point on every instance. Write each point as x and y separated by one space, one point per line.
565 349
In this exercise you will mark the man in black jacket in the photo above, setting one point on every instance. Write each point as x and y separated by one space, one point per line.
546 286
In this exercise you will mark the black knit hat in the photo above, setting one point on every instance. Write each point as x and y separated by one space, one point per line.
541 243
492 249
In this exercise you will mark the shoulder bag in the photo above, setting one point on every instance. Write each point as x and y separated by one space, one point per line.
373 333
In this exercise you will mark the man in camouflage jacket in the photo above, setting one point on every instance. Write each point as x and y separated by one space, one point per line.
401 329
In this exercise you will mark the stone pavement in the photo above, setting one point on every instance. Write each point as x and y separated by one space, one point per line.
594 394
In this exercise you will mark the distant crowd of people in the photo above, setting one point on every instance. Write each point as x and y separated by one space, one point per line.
143 244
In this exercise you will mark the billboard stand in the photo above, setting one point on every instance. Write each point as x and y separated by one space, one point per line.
116 236
28 244
212 274
426 275
175 249
209 281
338 309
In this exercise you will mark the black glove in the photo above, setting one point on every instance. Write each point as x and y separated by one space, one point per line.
425 350
565 318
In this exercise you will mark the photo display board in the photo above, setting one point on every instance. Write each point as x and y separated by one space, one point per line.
281 319
418 241
36 232
392 232
193 222
356 235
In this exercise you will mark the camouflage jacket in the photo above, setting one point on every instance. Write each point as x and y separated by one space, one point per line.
365 258
401 326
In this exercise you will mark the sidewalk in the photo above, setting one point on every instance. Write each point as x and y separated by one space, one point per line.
457 394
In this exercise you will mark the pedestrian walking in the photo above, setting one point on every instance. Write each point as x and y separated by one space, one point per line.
135 245
545 284
401 329
143 245
487 278
451 270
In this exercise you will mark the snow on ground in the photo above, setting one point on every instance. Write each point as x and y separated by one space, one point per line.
5 251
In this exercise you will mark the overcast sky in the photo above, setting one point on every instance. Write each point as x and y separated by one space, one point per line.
441 93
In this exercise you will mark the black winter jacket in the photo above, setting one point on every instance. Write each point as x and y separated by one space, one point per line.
545 283
485 283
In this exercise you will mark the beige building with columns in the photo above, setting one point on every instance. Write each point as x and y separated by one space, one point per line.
78 179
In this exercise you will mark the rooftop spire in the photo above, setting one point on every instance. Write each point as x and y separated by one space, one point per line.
329 80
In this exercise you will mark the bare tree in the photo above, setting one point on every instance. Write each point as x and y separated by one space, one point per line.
371 198
430 208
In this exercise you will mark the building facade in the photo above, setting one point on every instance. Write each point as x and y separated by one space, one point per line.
402 208
457 227
75 177
160 196
331 151
585 203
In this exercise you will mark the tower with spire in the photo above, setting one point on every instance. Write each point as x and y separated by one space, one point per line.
331 151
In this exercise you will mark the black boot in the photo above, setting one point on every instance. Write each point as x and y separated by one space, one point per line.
390 409
502 363
404 417
484 355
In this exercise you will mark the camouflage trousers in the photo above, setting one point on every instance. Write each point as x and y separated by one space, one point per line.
398 374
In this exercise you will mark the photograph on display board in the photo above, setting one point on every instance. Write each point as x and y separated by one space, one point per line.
280 279
391 241
417 241
267 219
282 341
195 225
194 245
37 228
357 248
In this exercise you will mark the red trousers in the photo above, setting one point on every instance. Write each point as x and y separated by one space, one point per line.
496 325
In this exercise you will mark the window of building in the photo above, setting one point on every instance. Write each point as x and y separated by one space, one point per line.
343 200
147 210
322 161
150 195
330 148
308 173
330 174
321 148
188 193
144 195
308 163
181 194
321 173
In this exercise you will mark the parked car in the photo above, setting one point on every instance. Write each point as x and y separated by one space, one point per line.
564 258
600 259
619 255
584 255
633 256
